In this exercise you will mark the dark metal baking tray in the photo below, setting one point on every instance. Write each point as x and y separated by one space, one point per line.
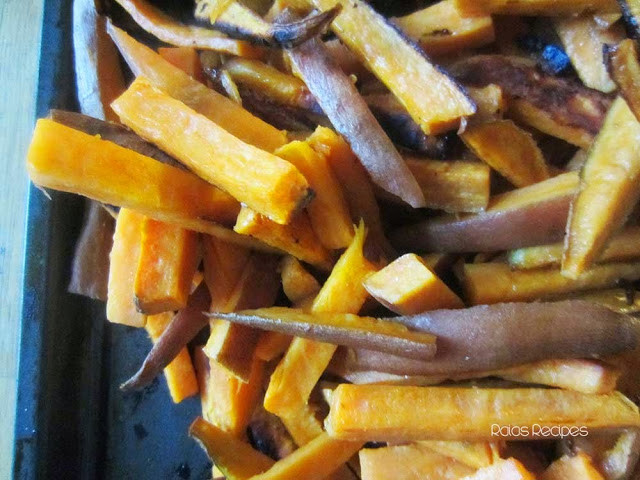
72 421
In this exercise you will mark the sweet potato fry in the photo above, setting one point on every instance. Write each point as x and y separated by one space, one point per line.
409 462
172 32
509 150
490 101
452 186
532 215
534 7
423 413
297 282
180 375
184 58
440 29
351 117
298 372
583 39
520 333
400 66
623 246
240 22
510 469
624 68
227 402
556 106
271 345
418 291
235 458
223 263
232 345
577 467
90 268
257 178
328 210
506 285
607 192
297 238
225 112
115 175
340 329
169 257
314 461
125 253
356 184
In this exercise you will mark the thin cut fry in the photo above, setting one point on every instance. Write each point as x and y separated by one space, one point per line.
508 149
409 462
170 31
225 112
257 178
608 190
402 414
125 253
418 290
487 283
180 375
169 258
440 29
401 67
297 238
328 210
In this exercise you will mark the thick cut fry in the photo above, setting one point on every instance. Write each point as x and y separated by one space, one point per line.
225 112
169 257
486 283
227 402
452 186
624 68
297 238
586 376
404 414
623 246
408 286
328 210
281 87
409 462
339 329
440 29
509 150
532 215
90 268
297 282
351 117
232 345
554 105
583 39
235 458
534 7
314 461
170 31
223 263
472 454
401 67
298 372
510 469
608 190
257 178
578 467
65 159
184 58
180 375
124 257
356 184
